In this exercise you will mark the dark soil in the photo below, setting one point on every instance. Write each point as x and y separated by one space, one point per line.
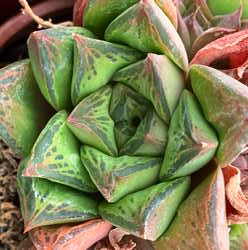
11 224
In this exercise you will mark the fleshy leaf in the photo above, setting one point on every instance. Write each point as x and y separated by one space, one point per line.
239 237
48 203
157 79
56 156
91 123
96 15
23 111
227 52
230 21
95 62
69 237
200 222
116 177
51 54
192 142
184 33
217 7
193 26
127 109
224 101
209 36
144 26
149 212
150 138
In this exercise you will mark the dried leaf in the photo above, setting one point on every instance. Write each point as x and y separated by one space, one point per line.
69 237
235 195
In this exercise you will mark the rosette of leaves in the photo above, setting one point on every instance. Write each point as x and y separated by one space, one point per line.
112 124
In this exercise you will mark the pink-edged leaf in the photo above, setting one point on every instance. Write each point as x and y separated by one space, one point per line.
69 237
194 26
78 10
229 21
183 32
209 36
237 207
228 52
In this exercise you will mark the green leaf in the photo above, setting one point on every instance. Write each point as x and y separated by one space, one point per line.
23 111
200 222
91 123
97 14
127 109
157 79
95 62
48 203
149 212
51 54
56 156
239 237
150 138
116 177
145 27
218 7
192 142
224 101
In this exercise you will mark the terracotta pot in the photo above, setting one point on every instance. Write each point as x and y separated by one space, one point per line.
19 26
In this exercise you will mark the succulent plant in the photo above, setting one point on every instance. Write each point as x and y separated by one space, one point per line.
116 129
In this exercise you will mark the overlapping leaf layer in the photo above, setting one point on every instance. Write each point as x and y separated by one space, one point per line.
127 131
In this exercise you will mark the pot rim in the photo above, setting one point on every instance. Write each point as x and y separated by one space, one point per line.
13 28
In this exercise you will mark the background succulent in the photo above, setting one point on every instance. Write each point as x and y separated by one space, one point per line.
128 121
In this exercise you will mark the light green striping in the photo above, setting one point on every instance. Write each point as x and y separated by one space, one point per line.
55 156
91 123
47 203
116 177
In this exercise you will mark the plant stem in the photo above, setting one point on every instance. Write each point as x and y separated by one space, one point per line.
42 23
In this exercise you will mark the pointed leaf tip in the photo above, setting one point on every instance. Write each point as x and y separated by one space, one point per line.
51 54
192 142
48 203
149 212
200 222
91 123
224 101
145 27
116 177
56 156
